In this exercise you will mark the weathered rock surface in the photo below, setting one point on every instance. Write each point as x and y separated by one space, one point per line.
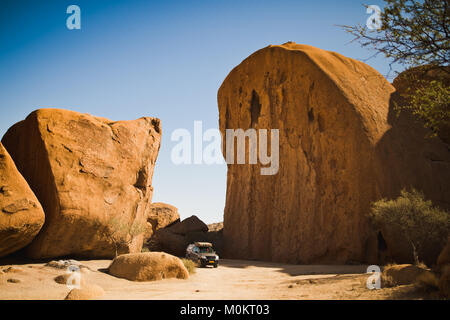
167 241
85 171
160 215
148 266
188 225
411 159
85 292
341 147
21 214
175 238
415 78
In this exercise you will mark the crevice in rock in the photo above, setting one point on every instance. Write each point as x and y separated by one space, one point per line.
311 115
382 245
141 181
156 123
255 108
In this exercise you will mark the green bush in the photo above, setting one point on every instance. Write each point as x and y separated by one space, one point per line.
190 265
415 218
430 101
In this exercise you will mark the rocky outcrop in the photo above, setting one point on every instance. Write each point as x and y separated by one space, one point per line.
148 266
160 215
175 238
411 158
21 214
415 78
86 171
340 148
189 225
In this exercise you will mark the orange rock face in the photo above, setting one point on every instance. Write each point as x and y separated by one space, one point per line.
160 215
85 171
21 214
338 152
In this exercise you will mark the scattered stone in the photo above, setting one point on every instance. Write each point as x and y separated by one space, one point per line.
70 279
13 270
64 264
13 280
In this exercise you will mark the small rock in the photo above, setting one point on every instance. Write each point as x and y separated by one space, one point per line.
86 292
12 280
69 279
64 264
12 270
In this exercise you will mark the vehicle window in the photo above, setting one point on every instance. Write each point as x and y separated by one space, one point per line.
205 250
196 250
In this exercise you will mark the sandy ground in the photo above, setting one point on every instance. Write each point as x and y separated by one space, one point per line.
233 279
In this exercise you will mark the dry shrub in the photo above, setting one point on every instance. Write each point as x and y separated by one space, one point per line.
190 265
414 218
404 274
427 282
387 281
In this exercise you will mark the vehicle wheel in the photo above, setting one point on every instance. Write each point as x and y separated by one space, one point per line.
215 265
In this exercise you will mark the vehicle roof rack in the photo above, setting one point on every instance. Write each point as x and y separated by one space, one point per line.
203 244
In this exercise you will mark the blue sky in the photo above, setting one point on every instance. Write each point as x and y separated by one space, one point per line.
156 58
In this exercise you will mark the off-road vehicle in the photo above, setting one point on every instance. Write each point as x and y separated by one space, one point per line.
202 253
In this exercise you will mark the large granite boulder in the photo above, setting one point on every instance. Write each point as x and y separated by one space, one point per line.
87 172
341 147
21 214
160 215
189 225
148 266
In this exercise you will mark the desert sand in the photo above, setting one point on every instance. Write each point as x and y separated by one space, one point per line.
233 279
